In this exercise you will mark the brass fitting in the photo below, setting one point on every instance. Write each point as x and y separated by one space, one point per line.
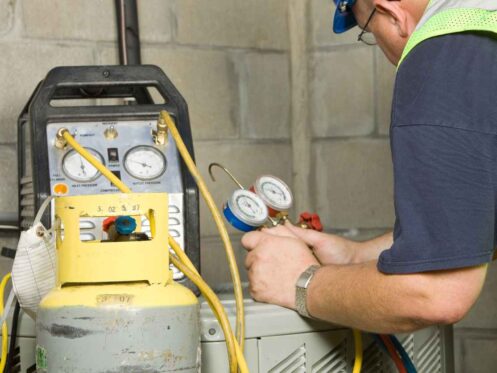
60 141
160 134
110 133
282 217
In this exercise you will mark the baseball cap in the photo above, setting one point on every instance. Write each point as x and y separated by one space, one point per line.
344 19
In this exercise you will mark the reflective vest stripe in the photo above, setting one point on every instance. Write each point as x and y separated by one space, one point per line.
444 17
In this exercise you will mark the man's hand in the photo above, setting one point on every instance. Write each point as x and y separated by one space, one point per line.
275 261
328 248
333 249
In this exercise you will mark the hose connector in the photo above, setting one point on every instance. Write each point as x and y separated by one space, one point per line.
160 134
60 141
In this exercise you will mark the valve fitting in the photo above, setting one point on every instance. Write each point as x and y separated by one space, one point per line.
60 141
160 134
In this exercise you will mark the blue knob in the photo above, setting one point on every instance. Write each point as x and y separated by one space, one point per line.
125 225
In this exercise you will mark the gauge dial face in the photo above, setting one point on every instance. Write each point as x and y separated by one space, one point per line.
274 192
145 162
79 169
248 207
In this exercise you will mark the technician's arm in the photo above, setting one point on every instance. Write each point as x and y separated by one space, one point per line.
362 297
357 295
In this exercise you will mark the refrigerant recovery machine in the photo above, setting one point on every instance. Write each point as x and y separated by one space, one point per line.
107 272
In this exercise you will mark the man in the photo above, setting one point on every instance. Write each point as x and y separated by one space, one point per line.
444 151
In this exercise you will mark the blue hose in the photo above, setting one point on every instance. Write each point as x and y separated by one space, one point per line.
409 365
403 354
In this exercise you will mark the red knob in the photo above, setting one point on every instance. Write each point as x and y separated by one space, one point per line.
311 221
108 222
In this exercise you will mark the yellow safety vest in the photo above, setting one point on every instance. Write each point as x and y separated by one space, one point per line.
444 17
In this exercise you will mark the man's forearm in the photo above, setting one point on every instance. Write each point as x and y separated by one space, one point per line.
370 250
361 297
357 295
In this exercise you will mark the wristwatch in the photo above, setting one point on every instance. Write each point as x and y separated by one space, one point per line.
301 290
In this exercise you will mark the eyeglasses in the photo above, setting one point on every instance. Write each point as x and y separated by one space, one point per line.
365 36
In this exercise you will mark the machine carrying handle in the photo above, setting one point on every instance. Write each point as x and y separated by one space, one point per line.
104 82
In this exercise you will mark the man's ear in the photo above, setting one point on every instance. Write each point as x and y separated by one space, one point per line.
397 15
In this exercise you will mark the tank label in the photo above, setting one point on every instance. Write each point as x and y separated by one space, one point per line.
41 359
114 299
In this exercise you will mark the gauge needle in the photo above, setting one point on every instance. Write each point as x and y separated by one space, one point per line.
249 205
82 165
143 164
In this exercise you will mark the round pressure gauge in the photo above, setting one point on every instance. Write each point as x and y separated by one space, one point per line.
245 210
274 192
79 169
145 162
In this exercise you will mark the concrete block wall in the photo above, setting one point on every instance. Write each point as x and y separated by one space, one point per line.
350 97
232 60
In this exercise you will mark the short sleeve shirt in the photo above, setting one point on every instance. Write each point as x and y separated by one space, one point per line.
444 150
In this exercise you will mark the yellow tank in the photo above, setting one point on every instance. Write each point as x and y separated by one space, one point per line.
115 307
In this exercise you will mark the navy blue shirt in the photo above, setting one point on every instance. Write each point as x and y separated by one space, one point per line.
444 150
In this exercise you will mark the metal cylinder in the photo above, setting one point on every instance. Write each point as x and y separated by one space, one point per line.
115 307
118 328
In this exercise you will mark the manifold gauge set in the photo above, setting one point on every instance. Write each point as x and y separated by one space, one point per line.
266 202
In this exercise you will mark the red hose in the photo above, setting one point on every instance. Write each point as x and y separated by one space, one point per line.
393 353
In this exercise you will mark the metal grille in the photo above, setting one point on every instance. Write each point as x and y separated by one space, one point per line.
27 202
408 344
429 358
373 360
334 361
293 363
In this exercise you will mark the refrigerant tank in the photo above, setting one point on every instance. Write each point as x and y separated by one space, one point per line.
118 328
116 307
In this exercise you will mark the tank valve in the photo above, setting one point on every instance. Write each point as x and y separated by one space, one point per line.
160 134
122 228
125 225
60 141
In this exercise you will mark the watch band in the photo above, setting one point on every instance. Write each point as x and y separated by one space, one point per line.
301 290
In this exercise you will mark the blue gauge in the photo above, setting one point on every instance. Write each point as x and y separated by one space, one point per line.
245 211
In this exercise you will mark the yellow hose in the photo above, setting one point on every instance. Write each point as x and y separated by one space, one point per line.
237 359
182 256
5 332
358 351
187 262
210 296
217 307
95 163
235 275
237 286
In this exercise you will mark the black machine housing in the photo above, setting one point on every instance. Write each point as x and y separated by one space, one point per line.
132 83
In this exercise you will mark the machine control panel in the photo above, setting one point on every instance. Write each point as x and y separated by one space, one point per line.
128 149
